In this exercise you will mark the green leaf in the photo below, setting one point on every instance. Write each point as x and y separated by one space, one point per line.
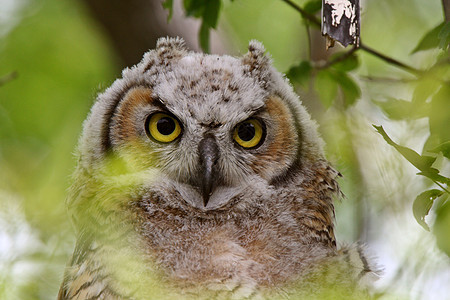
313 6
444 148
434 175
208 11
348 86
441 227
350 63
423 163
439 115
326 87
211 13
429 40
444 36
168 4
194 8
425 87
403 110
300 73
423 204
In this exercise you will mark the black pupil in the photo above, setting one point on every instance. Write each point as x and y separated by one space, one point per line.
246 131
165 126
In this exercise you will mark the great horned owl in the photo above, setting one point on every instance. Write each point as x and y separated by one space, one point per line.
203 176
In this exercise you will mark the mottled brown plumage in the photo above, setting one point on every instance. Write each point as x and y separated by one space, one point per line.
202 177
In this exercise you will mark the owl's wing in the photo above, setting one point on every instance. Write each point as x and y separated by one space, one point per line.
347 275
362 268
85 277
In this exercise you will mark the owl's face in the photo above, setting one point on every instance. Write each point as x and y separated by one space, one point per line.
208 127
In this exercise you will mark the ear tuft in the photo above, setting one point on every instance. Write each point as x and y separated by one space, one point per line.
256 48
256 57
175 43
169 48
258 62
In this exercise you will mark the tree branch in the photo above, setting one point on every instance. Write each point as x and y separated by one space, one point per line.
446 8
308 34
340 58
384 80
304 14
314 20
390 60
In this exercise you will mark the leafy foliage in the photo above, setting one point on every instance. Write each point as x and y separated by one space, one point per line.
51 65
439 36
425 200
329 80
430 39
423 204
300 73
397 109
430 100
441 226
423 163
444 148
444 36
168 4
313 6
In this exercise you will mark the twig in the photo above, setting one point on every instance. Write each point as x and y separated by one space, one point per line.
8 77
390 60
385 79
340 58
446 9
308 34
441 186
314 20
304 14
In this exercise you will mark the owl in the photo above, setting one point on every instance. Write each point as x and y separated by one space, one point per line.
203 177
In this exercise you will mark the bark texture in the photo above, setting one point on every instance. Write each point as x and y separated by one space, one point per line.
133 26
341 21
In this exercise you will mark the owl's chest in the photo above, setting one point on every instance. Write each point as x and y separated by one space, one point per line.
258 252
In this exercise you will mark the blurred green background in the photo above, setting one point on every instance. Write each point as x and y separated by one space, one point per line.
55 56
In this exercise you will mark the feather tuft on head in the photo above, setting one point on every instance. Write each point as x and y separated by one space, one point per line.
258 62
168 47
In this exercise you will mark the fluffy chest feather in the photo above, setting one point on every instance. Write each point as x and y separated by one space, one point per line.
275 239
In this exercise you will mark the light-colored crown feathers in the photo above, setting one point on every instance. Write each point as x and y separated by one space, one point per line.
168 48
171 42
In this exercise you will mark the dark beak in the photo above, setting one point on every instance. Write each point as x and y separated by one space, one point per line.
208 153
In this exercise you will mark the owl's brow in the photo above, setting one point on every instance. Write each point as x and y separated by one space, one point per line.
158 102
258 110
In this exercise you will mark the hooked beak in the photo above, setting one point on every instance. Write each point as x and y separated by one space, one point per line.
209 153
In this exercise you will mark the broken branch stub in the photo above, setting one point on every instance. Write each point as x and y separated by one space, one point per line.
341 22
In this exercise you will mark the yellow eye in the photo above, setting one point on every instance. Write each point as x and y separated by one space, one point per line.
249 134
163 127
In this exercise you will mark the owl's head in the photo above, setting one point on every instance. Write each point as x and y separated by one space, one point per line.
206 127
